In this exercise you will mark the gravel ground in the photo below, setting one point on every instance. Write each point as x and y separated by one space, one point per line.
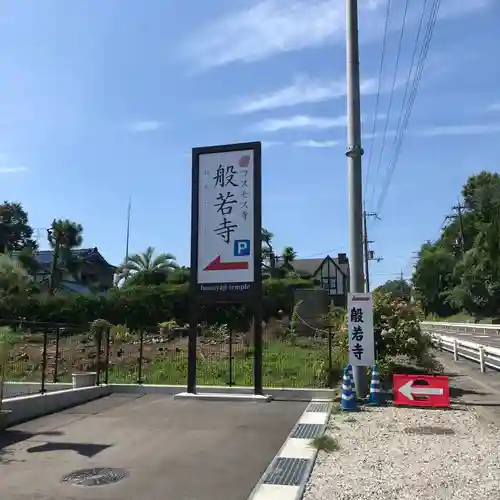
380 458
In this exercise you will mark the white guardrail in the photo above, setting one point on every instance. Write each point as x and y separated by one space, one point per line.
442 335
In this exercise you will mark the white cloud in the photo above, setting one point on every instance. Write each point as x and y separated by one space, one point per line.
270 27
452 8
300 121
302 91
264 29
12 170
316 144
145 126
389 133
495 106
270 144
492 128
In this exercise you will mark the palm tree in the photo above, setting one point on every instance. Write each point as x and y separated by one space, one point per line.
289 255
146 269
267 249
63 236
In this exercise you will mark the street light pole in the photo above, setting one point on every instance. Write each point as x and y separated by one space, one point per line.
354 154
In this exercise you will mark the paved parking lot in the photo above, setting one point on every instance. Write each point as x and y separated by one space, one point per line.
183 450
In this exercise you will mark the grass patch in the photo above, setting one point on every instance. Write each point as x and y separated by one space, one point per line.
301 363
326 443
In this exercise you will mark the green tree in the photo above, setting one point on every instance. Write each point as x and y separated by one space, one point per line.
288 256
13 277
15 231
433 277
398 289
461 270
147 269
63 236
179 276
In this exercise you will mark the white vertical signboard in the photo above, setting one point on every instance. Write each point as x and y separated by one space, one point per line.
226 219
360 329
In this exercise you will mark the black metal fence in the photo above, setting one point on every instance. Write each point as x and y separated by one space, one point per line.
51 353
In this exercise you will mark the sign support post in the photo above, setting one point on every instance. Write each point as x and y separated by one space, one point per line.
226 222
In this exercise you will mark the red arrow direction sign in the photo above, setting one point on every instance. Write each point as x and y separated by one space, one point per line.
217 265
421 390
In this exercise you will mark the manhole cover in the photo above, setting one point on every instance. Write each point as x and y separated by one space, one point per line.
436 431
94 477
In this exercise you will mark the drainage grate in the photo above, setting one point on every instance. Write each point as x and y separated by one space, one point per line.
318 407
94 477
307 431
436 431
287 472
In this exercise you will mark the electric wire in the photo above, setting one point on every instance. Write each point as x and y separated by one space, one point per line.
377 99
391 95
411 101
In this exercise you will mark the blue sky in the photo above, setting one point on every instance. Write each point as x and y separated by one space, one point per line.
100 101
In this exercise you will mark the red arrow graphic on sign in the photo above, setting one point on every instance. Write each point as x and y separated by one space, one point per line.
217 265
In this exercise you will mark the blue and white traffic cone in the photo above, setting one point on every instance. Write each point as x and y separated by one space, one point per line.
376 395
348 400
351 374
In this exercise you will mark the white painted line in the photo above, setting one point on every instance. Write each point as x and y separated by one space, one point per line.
297 448
313 417
276 492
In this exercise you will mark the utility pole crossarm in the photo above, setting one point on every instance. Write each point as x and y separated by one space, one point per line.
369 254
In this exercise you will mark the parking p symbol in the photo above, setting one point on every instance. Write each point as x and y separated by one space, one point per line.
241 248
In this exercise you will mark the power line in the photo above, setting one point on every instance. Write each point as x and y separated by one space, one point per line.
391 95
411 100
380 73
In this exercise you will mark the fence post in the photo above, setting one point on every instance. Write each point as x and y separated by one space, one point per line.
330 356
56 365
230 383
141 354
455 349
44 361
106 373
482 365
98 358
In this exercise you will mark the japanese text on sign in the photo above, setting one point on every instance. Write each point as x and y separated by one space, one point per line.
360 326
226 217
227 203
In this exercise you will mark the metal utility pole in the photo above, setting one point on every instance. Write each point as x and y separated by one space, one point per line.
354 175
128 229
458 209
368 253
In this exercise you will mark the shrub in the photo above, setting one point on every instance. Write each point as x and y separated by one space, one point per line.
141 306
404 338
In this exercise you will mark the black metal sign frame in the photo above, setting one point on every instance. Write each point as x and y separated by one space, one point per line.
247 293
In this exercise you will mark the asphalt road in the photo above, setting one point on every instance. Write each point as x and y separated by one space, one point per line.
490 339
184 450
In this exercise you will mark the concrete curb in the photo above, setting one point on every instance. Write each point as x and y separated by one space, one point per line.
276 393
214 396
287 474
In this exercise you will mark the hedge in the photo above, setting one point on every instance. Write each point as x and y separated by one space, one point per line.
142 306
